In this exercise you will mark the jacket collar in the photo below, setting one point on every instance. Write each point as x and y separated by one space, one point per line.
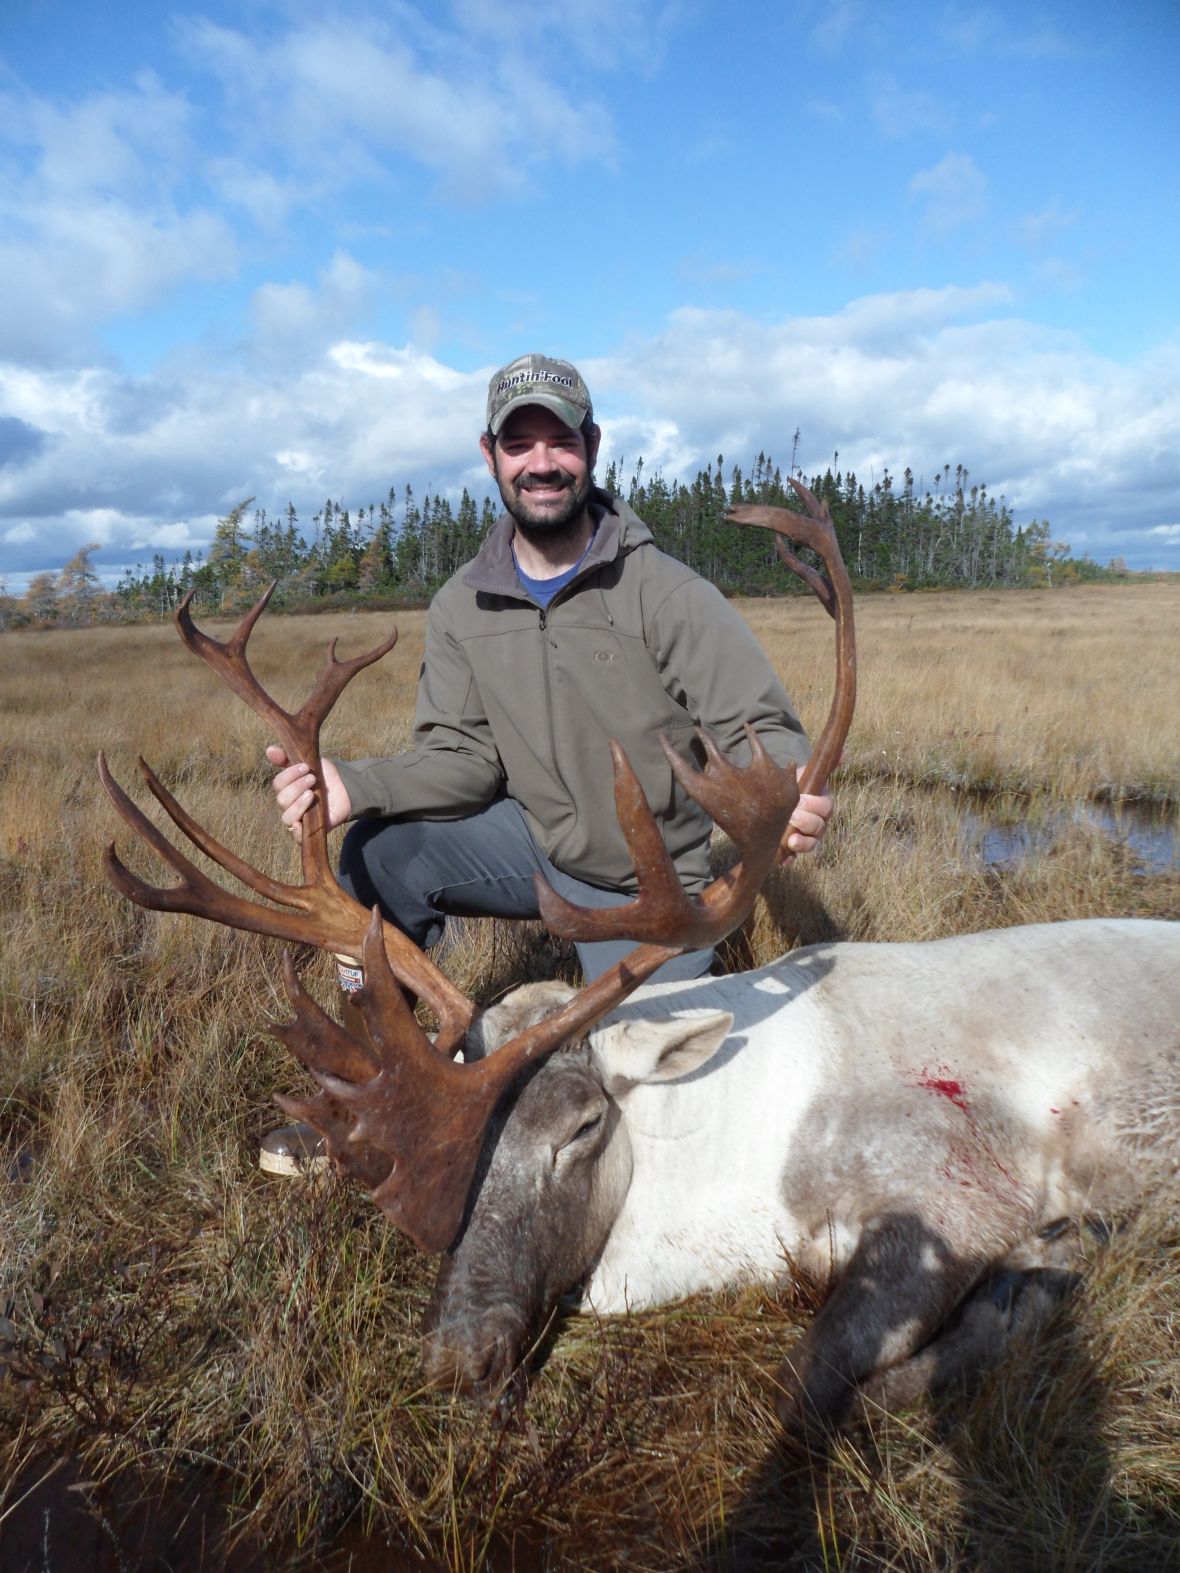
619 529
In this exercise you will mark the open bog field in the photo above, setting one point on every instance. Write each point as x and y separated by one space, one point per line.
213 1369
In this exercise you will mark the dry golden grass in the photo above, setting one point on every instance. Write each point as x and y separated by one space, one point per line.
171 1314
1075 693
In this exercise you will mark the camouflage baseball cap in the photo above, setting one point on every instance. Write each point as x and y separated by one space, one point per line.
538 379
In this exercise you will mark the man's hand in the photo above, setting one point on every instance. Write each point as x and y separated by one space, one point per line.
294 789
807 824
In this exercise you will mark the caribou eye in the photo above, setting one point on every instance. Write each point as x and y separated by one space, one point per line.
581 1134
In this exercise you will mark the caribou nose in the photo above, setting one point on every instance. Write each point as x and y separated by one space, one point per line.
475 1361
453 1365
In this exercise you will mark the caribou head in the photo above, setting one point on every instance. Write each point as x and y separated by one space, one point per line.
553 1175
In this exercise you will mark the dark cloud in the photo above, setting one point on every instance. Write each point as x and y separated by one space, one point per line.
133 407
19 441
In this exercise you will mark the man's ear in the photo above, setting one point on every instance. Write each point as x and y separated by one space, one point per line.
593 440
488 450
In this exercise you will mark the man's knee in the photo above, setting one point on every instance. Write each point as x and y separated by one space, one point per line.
377 865
355 871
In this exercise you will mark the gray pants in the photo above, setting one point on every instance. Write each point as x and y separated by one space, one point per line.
420 871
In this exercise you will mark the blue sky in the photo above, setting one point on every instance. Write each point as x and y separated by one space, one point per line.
276 250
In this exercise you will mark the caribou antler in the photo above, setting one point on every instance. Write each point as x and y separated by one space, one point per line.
814 528
319 911
753 806
396 1113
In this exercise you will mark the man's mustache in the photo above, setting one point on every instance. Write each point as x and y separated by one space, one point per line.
556 482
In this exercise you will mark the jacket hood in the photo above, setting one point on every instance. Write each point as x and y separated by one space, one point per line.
619 529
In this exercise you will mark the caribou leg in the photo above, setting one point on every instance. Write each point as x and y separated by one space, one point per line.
910 1317
1009 1307
902 1283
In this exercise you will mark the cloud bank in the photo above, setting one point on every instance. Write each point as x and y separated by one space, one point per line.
924 378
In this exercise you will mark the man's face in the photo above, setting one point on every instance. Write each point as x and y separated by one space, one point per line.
542 468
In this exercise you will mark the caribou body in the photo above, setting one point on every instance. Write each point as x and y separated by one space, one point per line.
908 1122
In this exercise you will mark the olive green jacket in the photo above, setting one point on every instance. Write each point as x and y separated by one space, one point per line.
519 700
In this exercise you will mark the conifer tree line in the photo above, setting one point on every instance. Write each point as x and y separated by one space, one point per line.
950 533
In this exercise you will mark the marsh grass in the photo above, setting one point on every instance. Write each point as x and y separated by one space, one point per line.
1071 695
170 1316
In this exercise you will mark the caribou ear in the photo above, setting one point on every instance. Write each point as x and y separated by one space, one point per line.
514 1014
635 1051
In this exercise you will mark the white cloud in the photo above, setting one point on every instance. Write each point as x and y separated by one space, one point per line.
266 199
704 266
97 524
356 96
608 35
111 200
425 327
713 139
165 537
92 221
297 462
905 112
224 434
297 320
972 29
1044 227
1056 276
861 246
911 311
837 23
953 193
1091 444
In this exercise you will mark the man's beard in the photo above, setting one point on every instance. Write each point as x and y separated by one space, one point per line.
546 522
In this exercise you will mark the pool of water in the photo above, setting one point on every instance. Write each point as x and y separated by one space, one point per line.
1148 834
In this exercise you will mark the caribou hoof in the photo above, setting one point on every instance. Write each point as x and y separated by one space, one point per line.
804 1411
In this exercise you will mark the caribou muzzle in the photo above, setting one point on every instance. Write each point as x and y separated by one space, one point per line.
478 1356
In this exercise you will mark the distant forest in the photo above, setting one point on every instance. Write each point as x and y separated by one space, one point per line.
907 536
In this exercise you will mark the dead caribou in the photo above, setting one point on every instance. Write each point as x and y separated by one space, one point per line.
911 1122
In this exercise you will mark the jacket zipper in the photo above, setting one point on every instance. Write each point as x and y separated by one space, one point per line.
548 688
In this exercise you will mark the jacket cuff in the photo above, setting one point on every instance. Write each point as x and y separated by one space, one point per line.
368 795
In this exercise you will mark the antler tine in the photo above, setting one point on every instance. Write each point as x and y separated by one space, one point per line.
229 660
321 915
196 894
752 805
253 878
298 732
326 1048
